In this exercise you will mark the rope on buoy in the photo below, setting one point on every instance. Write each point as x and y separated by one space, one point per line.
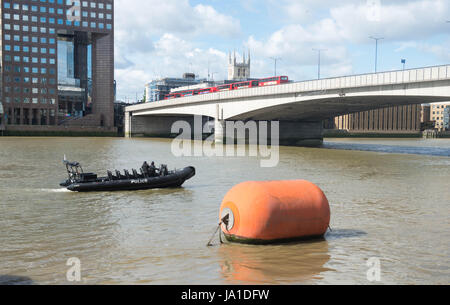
223 221
212 237
329 227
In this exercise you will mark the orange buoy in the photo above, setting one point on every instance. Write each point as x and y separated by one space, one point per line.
274 211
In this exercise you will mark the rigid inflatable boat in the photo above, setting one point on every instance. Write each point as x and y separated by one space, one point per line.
157 178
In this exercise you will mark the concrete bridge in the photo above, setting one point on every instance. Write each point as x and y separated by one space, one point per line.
300 107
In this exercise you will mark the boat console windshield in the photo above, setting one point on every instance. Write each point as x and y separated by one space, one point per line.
75 172
74 169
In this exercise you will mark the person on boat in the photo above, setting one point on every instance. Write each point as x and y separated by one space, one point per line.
152 170
146 169
163 171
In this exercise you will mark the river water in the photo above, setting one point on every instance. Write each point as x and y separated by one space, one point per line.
390 200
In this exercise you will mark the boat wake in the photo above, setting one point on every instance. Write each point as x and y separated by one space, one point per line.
55 190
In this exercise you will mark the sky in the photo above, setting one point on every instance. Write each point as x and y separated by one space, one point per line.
156 38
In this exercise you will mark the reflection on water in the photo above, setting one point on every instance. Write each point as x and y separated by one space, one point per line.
301 263
387 205
15 280
344 233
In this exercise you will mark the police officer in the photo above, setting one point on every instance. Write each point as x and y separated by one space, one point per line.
145 169
152 169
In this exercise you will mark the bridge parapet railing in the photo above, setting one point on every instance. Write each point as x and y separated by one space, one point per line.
375 79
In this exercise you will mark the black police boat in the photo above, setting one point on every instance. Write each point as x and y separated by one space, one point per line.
147 178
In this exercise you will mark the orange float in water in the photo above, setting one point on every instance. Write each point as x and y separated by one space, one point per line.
274 211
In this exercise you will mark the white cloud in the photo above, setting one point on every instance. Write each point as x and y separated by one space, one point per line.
397 20
147 39
295 44
440 51
337 25
138 22
171 56
166 38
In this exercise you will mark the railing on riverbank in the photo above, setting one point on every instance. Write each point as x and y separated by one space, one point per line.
434 134
430 134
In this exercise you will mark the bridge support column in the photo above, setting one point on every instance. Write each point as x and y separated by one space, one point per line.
127 125
308 134
190 127
286 133
219 131
219 126
150 126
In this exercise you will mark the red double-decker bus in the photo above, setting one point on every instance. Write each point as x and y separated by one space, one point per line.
277 80
226 87
205 91
187 93
172 96
245 85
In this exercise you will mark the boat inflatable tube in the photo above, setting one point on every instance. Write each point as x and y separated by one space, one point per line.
275 211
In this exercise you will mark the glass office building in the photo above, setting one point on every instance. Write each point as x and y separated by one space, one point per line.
57 59
157 89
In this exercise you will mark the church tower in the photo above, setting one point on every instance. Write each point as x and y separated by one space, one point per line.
238 71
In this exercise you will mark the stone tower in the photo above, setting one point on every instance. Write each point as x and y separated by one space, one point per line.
238 71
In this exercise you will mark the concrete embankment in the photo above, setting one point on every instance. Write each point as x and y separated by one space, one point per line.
345 134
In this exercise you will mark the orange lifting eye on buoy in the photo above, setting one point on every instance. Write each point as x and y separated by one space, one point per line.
274 211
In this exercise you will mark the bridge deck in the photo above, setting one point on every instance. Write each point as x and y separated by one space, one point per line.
409 76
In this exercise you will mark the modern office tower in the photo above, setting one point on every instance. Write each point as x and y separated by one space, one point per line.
57 60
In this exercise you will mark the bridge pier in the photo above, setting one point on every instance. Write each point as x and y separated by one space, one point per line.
289 133
219 131
145 126
286 133
309 134
161 126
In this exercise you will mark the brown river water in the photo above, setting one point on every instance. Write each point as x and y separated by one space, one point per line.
390 200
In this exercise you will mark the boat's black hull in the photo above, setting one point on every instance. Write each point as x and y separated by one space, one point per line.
170 181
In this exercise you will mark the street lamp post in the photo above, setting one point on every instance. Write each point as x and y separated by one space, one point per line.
275 59
319 51
376 50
